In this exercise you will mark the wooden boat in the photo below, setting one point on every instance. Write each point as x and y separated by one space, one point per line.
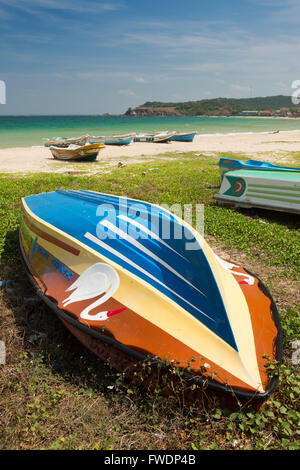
184 136
228 164
269 189
77 153
65 142
162 137
112 140
135 297
96 139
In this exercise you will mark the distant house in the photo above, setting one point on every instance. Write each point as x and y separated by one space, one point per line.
249 113
280 113
265 113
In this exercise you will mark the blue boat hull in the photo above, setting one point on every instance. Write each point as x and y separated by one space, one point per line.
184 137
227 164
119 142
113 140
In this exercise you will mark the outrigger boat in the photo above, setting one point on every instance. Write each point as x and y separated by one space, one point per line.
184 136
65 142
228 164
85 153
268 189
112 140
162 137
136 284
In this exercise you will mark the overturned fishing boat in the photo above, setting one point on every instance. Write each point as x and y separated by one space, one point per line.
264 189
229 164
135 283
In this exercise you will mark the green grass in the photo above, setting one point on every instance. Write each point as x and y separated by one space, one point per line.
54 394
183 180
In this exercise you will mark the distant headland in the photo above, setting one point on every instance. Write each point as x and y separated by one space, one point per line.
270 106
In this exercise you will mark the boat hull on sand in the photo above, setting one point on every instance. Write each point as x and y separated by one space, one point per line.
155 138
268 189
184 136
112 140
86 153
134 297
228 164
65 142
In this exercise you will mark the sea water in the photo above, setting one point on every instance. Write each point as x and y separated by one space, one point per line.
23 131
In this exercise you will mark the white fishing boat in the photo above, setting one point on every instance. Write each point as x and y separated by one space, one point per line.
65 142
161 137
112 139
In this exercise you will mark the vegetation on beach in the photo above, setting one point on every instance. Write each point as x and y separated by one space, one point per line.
215 106
54 394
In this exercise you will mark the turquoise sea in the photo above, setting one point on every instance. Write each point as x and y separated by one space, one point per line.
21 131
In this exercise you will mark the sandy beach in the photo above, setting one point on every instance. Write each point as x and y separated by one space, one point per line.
265 146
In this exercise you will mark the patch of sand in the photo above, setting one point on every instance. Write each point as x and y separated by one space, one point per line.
264 146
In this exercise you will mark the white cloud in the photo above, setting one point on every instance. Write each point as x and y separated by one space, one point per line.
117 74
177 42
281 11
89 6
126 93
140 79
159 60
241 91
240 88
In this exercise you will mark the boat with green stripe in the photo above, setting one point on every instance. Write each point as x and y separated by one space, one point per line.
269 189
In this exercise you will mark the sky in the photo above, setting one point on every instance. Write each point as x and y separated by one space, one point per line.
95 57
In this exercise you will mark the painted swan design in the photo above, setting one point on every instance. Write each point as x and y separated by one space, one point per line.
96 280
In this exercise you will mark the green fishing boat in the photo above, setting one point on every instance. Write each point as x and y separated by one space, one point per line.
268 189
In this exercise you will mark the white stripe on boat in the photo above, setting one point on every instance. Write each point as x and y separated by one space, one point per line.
138 245
96 240
151 234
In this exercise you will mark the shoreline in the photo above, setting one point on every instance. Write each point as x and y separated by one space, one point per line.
211 134
152 116
268 146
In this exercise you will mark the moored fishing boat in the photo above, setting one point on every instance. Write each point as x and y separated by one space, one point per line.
65 142
228 164
184 136
161 137
268 189
77 152
93 139
132 295
113 139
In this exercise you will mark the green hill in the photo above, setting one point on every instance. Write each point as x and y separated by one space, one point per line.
214 107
